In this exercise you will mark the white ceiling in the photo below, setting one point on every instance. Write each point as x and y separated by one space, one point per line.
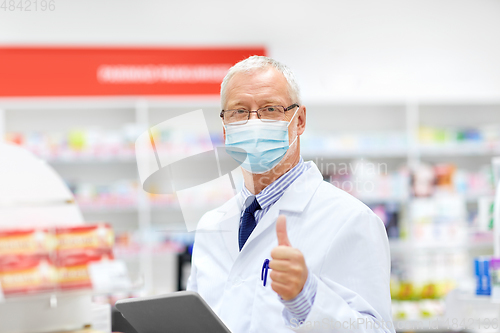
338 49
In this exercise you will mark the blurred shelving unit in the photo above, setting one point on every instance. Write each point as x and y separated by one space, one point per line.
382 131
398 245
138 215
406 121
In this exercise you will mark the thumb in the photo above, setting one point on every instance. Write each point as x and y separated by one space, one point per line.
281 231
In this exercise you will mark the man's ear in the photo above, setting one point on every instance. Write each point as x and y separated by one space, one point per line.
224 132
301 120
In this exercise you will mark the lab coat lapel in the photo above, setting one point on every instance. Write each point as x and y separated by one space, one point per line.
295 199
266 221
229 224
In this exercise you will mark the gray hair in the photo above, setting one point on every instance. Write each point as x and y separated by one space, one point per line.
260 62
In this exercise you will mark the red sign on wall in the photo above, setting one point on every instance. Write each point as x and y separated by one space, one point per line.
79 71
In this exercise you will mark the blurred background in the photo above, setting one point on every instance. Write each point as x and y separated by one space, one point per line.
403 101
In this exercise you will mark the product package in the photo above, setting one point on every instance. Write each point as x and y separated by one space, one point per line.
483 286
21 274
77 247
35 260
495 278
74 239
26 242
73 268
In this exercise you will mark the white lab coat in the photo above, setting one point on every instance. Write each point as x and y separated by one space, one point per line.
344 244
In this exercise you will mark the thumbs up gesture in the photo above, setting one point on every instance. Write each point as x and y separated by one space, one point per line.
289 270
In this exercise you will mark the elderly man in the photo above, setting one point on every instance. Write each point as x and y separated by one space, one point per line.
326 252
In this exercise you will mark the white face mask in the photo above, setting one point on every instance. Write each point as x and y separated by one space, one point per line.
260 145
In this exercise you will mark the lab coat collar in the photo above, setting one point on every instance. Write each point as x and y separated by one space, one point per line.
295 199
298 195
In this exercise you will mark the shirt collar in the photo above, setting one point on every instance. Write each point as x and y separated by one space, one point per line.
275 190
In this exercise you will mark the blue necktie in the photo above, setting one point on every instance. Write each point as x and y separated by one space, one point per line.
248 221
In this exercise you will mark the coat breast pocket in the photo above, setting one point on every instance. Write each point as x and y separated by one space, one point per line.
268 309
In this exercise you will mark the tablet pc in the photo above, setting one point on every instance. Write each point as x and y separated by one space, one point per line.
182 311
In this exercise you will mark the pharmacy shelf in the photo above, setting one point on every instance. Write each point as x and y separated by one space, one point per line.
311 155
401 246
437 325
375 200
168 207
478 299
137 252
363 116
465 150
459 150
157 208
376 153
91 160
109 209
53 295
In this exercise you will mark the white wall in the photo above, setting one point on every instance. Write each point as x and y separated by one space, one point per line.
339 49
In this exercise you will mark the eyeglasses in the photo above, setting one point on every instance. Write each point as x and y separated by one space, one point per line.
268 114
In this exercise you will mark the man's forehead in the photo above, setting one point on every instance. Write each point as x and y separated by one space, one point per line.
267 77
262 85
266 72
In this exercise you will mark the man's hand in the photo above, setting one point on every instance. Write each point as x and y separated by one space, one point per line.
289 270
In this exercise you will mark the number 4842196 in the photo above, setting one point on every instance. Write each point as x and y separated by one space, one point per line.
28 5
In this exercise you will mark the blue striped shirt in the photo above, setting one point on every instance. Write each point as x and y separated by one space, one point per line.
299 307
